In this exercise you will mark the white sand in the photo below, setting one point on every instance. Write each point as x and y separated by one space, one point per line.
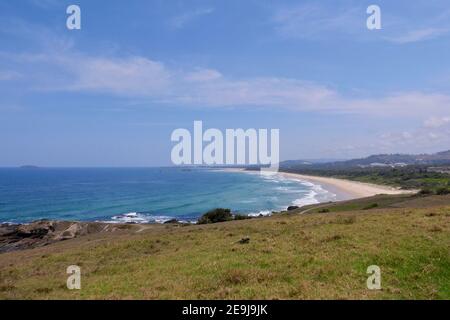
347 189
344 189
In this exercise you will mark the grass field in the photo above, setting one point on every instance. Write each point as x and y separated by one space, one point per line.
289 256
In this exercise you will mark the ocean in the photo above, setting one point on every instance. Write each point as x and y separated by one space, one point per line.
144 195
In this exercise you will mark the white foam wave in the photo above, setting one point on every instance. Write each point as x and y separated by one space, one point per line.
263 213
316 195
138 218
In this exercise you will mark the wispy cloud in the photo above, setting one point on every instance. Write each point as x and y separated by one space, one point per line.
312 20
437 122
423 137
316 21
129 76
6 75
45 3
426 137
183 19
141 77
58 66
202 75
418 35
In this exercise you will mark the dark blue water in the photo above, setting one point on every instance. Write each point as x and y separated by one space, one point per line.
142 194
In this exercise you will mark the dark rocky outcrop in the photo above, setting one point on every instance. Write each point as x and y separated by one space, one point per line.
244 240
172 221
290 208
43 232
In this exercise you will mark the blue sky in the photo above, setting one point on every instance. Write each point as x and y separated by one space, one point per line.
111 93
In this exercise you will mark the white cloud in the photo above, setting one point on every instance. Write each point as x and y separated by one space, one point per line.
418 35
181 20
257 92
408 103
436 122
130 76
9 75
202 75
45 3
316 21
433 135
142 77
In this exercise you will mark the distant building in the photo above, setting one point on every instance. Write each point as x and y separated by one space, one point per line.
384 165
439 169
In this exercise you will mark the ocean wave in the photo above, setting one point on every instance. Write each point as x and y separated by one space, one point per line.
316 195
140 218
309 198
263 213
290 189
313 194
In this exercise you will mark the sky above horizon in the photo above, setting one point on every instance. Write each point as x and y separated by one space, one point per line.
111 93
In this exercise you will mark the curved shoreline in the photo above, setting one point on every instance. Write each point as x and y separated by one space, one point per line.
347 189
343 189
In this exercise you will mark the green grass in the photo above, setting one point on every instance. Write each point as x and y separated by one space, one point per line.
379 201
289 256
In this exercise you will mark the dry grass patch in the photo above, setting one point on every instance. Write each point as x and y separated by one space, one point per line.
315 256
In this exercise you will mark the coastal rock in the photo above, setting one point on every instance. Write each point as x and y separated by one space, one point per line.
172 221
290 208
7 229
244 240
44 232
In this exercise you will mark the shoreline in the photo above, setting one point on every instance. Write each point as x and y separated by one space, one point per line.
347 189
344 189
340 189
43 232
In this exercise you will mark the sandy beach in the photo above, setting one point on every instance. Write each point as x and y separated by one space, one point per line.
342 188
346 189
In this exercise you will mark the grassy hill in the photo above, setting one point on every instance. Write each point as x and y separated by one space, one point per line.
289 256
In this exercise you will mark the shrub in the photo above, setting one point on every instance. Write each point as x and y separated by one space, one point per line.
425 192
216 215
371 206
241 217
324 210
345 220
442 191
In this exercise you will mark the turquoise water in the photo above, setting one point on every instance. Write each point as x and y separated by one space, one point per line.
143 194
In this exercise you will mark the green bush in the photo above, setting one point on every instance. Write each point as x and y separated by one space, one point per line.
241 217
442 191
425 192
371 206
216 215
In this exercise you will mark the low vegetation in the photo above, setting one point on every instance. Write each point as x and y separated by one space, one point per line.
220 215
286 256
215 216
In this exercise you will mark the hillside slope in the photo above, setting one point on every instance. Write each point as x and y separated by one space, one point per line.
288 256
